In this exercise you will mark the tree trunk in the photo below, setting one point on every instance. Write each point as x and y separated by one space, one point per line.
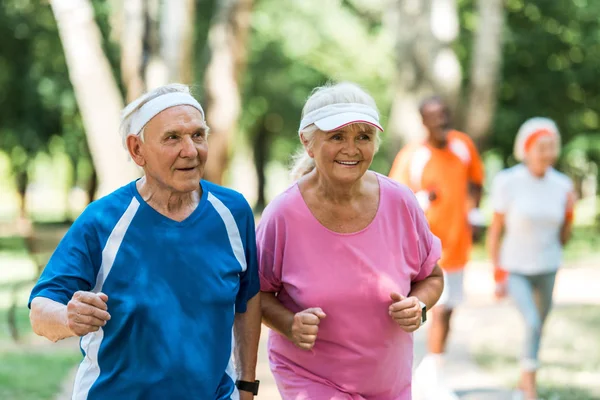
177 39
227 50
96 91
261 145
132 31
485 70
170 42
426 63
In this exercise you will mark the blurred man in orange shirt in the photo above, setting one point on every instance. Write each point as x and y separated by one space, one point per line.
446 174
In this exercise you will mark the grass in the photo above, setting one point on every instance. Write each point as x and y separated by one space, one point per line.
33 368
27 371
570 354
33 376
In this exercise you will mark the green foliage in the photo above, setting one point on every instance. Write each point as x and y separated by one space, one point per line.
37 98
296 48
551 54
27 373
550 67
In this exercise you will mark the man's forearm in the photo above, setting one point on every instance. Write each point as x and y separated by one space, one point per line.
247 335
476 191
49 319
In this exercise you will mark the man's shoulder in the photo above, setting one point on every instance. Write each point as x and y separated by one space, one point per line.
230 198
458 135
411 148
111 206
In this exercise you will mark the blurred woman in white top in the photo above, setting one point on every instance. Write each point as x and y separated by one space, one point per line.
533 214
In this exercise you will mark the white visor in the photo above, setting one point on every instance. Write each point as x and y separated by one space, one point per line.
336 116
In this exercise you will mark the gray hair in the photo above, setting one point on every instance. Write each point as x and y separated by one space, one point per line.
344 92
135 105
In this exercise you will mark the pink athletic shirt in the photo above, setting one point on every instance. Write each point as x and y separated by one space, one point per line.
360 352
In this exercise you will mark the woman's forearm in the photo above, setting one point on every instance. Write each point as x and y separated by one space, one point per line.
493 238
49 319
275 315
429 289
565 233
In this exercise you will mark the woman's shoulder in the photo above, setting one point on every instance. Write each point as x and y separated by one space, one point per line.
397 196
284 204
394 189
561 179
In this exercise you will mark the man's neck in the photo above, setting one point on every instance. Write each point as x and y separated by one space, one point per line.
175 205
437 144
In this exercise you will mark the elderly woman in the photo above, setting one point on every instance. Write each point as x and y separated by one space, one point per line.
346 260
156 275
533 212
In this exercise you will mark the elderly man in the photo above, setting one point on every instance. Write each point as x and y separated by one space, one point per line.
446 173
159 276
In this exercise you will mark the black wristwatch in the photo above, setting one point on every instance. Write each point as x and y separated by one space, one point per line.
246 386
423 312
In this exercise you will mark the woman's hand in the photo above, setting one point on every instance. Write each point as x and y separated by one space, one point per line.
501 290
406 311
87 312
305 327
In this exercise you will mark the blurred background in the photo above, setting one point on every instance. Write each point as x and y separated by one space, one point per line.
67 67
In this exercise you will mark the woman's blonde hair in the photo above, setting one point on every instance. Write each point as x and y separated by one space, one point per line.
344 92
131 108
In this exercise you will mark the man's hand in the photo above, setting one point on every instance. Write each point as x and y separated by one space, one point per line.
87 312
477 221
305 327
406 311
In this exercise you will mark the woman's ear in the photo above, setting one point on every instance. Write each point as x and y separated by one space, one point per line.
134 145
307 145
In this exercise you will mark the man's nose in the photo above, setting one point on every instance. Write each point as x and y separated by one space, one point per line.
188 148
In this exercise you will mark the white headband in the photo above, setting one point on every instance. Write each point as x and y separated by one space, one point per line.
158 104
335 116
530 127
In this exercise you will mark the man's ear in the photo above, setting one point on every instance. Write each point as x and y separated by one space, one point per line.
134 145
306 145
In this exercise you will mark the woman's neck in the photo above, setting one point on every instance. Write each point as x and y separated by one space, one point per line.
335 192
168 202
537 172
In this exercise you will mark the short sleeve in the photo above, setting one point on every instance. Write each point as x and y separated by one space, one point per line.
476 169
429 245
499 195
571 200
249 282
74 264
269 247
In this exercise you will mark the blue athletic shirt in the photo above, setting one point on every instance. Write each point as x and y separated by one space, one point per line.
173 289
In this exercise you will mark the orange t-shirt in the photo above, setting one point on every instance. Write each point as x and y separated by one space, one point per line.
447 172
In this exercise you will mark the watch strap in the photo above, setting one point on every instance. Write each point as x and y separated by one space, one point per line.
423 312
246 386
